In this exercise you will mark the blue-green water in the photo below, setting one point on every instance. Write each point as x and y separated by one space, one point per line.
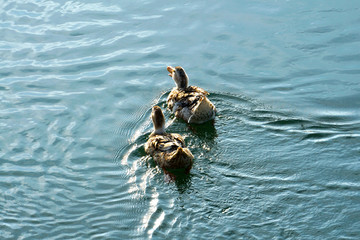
77 82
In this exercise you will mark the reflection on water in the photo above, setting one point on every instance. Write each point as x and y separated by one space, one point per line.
206 131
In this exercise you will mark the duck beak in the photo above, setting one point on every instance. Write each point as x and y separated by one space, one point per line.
171 70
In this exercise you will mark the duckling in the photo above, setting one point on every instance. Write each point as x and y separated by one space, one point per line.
189 102
167 149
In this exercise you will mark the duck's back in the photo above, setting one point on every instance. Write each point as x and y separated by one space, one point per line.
169 151
191 104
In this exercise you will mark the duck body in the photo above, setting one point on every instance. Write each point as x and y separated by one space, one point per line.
189 103
167 149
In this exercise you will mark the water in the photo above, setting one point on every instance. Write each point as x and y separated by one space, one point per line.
77 82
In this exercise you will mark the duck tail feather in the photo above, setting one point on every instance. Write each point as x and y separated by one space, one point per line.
204 111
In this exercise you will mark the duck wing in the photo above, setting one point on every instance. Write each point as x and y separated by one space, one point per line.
169 151
164 143
184 98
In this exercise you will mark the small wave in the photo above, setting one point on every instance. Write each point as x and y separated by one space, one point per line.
316 128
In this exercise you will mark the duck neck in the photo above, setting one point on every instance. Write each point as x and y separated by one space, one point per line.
181 81
182 85
159 131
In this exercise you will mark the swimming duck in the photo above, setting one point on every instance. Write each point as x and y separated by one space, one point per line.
167 149
189 102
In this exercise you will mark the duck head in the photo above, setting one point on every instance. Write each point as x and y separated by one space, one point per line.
179 76
158 119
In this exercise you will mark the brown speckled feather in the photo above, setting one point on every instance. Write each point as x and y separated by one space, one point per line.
186 97
186 104
165 151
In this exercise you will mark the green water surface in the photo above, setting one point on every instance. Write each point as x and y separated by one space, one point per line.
280 161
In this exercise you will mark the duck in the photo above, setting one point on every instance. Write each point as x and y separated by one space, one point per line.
189 103
167 149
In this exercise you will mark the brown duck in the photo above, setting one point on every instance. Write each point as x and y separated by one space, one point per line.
189 102
167 149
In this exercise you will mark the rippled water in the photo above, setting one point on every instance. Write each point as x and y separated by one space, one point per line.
77 82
